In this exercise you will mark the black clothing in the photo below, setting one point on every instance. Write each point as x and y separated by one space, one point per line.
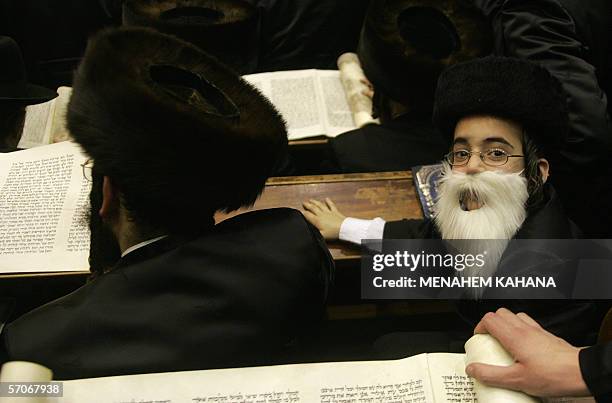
400 144
236 296
596 368
570 38
52 35
307 34
575 321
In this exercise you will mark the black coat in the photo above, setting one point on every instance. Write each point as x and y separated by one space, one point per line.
572 320
570 38
236 296
397 145
596 368
306 34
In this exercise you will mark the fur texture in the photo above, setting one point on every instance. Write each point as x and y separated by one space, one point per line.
174 164
227 29
508 88
395 55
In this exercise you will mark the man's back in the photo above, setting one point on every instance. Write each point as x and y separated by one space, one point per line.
235 296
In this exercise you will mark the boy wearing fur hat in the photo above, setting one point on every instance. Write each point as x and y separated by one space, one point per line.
173 137
506 119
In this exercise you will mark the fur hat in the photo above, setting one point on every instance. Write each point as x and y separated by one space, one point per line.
226 29
508 88
405 45
180 134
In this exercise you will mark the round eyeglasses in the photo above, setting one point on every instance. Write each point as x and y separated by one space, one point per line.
494 157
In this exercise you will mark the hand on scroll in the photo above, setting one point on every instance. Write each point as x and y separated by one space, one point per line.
369 92
545 364
324 216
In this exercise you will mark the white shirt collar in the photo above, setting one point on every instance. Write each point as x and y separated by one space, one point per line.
141 244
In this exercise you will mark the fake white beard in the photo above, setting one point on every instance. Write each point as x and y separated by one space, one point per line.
489 228
502 195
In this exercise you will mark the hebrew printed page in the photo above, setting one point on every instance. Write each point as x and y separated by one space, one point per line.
403 380
448 378
338 117
43 209
37 126
295 94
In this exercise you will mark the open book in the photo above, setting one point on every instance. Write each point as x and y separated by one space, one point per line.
44 201
436 377
312 102
46 123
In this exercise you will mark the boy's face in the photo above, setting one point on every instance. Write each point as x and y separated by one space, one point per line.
489 134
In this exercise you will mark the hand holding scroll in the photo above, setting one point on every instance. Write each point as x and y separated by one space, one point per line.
545 364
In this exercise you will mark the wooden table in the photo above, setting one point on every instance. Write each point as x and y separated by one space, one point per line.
389 195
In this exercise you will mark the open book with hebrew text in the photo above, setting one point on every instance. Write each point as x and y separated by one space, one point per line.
44 201
312 102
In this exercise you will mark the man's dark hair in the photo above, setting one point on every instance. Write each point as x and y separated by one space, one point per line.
179 134
12 118
104 250
535 182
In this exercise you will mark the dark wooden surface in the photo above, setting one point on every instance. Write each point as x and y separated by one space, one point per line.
389 195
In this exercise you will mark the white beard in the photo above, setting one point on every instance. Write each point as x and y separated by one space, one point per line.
502 197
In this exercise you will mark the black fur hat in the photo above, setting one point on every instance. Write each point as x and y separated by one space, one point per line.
180 134
226 29
508 88
405 45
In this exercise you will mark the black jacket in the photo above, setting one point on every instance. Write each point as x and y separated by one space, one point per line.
398 145
596 368
307 34
236 296
572 320
570 38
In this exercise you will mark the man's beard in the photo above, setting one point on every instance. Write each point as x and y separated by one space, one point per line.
498 202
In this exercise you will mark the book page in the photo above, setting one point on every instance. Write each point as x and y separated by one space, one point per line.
403 380
59 130
448 378
294 94
338 117
43 208
36 128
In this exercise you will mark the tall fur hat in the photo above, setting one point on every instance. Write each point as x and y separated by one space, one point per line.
180 134
226 29
508 88
405 45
